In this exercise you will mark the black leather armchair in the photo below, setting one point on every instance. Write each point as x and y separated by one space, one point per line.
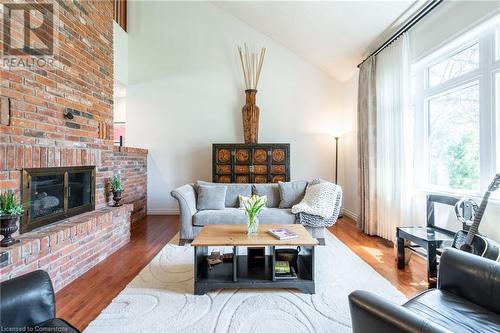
27 304
467 299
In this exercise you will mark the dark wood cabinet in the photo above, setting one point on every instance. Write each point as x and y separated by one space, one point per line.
250 163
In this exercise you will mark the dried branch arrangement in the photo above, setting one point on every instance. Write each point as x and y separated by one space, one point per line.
251 63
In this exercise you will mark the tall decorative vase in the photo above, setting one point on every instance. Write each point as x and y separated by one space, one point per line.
250 113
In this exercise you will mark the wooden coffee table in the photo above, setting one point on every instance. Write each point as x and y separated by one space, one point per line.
244 273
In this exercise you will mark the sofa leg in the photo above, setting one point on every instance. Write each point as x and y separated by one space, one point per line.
321 241
183 242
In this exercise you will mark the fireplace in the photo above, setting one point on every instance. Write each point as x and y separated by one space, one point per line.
53 194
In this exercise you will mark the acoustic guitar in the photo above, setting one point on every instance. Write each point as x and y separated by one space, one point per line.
470 241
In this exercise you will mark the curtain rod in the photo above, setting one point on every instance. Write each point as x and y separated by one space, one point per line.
407 26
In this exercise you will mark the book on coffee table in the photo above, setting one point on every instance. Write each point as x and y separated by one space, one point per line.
282 233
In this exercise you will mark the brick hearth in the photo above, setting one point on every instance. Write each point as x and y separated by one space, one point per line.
68 249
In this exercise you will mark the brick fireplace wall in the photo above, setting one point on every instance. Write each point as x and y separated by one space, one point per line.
35 133
81 82
132 163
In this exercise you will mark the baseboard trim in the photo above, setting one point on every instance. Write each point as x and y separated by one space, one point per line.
163 211
350 213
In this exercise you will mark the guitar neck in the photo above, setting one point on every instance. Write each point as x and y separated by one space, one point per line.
478 216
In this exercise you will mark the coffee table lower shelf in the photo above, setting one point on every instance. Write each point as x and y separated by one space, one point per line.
240 273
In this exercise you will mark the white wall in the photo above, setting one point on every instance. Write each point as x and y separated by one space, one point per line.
119 102
348 155
185 92
120 54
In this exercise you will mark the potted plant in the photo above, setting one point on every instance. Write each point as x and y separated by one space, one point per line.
253 207
10 210
117 189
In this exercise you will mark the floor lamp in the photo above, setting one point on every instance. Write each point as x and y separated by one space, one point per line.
336 163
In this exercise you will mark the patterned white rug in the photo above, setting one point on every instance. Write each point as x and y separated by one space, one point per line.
160 298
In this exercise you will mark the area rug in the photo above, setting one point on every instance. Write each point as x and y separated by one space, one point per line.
160 298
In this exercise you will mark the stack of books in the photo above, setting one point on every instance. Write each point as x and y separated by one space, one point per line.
283 270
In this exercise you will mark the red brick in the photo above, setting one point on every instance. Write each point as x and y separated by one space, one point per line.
45 261
44 243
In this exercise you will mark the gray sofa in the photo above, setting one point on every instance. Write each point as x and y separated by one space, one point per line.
192 219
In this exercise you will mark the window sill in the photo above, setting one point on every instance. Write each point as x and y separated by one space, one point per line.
477 196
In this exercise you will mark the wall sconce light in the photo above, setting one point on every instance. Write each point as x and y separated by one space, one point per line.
68 114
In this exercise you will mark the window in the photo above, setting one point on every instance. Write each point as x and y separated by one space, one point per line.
454 138
456 98
454 66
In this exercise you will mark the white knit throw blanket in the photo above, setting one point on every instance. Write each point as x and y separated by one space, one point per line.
319 200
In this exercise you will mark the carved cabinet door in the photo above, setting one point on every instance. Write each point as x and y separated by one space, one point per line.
251 163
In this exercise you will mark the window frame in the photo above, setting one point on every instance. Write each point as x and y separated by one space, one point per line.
489 67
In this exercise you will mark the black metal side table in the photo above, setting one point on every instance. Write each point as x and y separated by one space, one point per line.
430 238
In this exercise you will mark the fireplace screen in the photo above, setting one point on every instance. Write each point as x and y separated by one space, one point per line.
47 195
52 194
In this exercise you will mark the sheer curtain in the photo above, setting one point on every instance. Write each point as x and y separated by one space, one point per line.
385 141
394 142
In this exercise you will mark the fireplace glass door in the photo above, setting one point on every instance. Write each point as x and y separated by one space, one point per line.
53 194
79 189
47 195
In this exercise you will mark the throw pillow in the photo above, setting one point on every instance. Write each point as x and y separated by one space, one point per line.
243 199
232 192
211 197
291 193
271 191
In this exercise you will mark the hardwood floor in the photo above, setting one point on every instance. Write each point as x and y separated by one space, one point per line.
379 253
82 300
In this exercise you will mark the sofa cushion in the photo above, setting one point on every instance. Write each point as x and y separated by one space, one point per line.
271 191
233 191
291 193
211 197
276 216
453 312
237 216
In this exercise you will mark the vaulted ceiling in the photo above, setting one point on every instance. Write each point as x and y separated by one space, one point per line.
332 35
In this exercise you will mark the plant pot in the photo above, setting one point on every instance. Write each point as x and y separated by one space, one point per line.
117 197
252 226
8 226
250 114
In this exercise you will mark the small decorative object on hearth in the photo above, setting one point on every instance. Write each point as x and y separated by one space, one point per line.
253 207
10 210
251 63
117 188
